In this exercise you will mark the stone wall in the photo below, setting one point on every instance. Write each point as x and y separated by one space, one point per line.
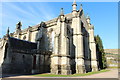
17 60
2 51
17 63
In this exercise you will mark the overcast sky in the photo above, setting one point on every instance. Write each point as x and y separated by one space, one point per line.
104 16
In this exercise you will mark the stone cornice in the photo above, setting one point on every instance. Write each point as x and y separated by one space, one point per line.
51 24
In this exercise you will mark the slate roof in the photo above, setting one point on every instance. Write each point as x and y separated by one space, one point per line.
69 16
21 45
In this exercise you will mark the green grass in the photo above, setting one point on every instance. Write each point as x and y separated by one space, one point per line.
113 67
73 75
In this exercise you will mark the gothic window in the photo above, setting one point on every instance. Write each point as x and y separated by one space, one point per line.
82 28
23 56
59 69
68 43
82 25
52 41
6 47
84 46
39 35
68 31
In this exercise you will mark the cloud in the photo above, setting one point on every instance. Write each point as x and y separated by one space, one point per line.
15 10
27 12
0 20
21 10
46 11
60 0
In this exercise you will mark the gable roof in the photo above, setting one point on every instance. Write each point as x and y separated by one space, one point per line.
21 46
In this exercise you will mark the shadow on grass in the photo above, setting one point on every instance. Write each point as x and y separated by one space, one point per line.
73 75
53 75
12 75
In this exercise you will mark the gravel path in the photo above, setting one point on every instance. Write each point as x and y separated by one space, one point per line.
113 73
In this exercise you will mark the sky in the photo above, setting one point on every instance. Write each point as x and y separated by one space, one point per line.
104 17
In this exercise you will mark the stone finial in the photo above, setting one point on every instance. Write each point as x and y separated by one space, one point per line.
42 24
18 25
88 17
91 27
29 26
74 5
61 16
61 11
81 7
80 10
74 2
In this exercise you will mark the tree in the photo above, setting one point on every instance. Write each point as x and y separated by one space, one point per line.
100 52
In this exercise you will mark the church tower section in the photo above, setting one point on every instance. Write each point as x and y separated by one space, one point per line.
78 40
61 60
92 45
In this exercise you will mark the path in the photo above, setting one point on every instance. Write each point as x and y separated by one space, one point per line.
113 73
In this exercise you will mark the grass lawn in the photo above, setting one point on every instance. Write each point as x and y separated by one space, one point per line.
73 75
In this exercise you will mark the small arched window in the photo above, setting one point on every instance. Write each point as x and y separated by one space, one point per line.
6 47
23 56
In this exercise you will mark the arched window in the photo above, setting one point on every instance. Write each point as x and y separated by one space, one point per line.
6 47
52 41
23 56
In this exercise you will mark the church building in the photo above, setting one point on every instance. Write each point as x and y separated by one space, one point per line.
64 45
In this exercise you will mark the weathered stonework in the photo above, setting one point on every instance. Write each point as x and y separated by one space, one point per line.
64 45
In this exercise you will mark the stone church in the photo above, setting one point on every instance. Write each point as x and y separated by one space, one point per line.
64 45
